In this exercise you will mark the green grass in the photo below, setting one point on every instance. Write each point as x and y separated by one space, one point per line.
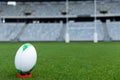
61 61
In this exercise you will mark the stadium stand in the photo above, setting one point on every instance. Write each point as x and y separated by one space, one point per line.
79 31
113 29
56 9
9 31
41 32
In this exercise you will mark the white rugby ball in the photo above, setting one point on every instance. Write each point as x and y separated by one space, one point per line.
25 58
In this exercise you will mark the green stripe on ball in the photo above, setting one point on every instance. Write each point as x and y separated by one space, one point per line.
25 46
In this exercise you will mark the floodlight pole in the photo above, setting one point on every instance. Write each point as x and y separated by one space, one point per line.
95 22
67 20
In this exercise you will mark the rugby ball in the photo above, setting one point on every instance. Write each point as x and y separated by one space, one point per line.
25 58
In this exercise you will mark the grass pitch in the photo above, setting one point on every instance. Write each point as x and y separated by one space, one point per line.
61 61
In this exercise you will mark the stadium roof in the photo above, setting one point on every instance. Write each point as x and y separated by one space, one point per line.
52 0
41 0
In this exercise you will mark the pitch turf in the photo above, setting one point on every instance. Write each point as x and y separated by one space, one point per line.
61 61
